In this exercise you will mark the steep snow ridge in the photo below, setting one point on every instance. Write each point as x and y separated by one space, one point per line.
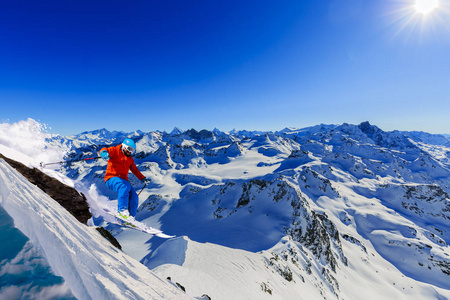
90 266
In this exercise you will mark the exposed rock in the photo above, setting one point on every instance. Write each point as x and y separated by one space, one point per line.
69 198
107 235
73 201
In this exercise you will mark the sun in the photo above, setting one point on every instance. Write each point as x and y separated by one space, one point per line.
426 6
419 19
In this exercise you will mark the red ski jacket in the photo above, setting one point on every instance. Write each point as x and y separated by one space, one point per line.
119 164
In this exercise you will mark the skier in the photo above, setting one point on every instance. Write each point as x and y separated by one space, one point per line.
120 161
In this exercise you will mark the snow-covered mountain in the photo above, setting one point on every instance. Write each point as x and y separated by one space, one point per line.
330 211
72 260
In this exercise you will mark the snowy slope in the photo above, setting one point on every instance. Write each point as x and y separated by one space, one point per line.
91 267
330 211
24 270
286 271
333 190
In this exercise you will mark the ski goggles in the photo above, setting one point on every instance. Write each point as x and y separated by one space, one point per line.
128 148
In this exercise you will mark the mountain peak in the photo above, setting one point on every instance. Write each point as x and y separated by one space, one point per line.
176 131
369 129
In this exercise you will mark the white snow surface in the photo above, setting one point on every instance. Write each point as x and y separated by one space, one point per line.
225 273
325 212
91 267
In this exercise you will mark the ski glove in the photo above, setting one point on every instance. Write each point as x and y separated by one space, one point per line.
145 180
105 155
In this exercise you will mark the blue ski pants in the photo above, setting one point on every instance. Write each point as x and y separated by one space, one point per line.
128 199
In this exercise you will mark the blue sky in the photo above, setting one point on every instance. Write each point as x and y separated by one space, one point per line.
255 65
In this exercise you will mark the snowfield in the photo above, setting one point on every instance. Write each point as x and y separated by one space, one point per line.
91 267
325 212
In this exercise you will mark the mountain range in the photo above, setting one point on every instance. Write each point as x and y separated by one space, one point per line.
324 212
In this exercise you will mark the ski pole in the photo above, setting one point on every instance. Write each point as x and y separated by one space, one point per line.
43 164
142 189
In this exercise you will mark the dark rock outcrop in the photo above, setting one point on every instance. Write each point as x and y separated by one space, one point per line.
68 197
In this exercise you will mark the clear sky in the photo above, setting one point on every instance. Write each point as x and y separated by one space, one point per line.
256 65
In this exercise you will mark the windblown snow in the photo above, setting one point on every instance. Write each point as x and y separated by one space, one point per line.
325 212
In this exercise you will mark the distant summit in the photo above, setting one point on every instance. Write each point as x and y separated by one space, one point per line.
176 131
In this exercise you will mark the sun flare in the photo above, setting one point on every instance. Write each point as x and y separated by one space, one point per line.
426 6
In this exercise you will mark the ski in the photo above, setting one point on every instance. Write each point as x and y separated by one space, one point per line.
136 225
